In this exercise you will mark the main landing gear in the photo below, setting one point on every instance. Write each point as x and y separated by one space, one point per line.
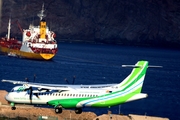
58 109
78 110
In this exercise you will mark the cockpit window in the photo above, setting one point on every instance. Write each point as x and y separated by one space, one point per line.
20 89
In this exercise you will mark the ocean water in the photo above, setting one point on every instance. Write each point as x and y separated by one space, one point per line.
101 64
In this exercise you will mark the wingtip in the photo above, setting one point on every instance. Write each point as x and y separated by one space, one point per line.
3 80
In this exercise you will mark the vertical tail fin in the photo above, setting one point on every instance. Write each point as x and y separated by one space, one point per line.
134 81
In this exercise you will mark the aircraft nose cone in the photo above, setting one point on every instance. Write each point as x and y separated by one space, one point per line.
7 97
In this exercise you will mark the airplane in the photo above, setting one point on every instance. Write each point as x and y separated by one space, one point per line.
80 96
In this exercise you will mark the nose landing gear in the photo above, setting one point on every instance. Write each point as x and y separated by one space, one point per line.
13 106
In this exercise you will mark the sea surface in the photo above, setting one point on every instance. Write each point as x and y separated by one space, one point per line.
101 64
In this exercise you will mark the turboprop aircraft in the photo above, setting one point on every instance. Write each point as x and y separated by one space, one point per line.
80 96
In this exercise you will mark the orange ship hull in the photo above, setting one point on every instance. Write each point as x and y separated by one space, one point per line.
28 55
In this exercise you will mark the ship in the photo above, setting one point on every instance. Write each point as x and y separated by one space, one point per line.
38 42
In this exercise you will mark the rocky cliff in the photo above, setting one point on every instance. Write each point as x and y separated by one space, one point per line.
132 22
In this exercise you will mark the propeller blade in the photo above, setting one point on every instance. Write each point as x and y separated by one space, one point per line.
66 80
30 94
74 77
27 79
34 77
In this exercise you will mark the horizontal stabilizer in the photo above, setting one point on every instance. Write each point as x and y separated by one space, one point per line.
136 66
133 66
154 66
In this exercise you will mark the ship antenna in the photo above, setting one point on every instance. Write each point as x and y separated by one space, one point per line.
41 14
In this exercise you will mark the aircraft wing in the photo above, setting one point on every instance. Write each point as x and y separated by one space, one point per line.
14 82
40 85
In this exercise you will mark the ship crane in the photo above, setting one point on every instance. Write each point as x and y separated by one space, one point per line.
19 26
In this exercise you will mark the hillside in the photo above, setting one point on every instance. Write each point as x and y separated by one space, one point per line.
130 22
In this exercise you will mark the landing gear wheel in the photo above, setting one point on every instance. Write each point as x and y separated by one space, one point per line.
13 108
58 110
78 110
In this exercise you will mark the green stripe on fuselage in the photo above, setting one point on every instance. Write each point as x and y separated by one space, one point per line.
115 101
67 103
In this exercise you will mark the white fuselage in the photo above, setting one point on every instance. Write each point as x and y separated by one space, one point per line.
43 96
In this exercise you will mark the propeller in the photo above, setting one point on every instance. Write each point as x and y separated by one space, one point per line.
34 77
27 79
74 77
66 80
30 90
30 94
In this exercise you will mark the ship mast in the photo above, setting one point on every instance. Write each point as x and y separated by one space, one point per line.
41 14
42 31
9 29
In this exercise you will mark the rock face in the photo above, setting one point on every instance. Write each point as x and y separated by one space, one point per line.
2 97
150 22
33 113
